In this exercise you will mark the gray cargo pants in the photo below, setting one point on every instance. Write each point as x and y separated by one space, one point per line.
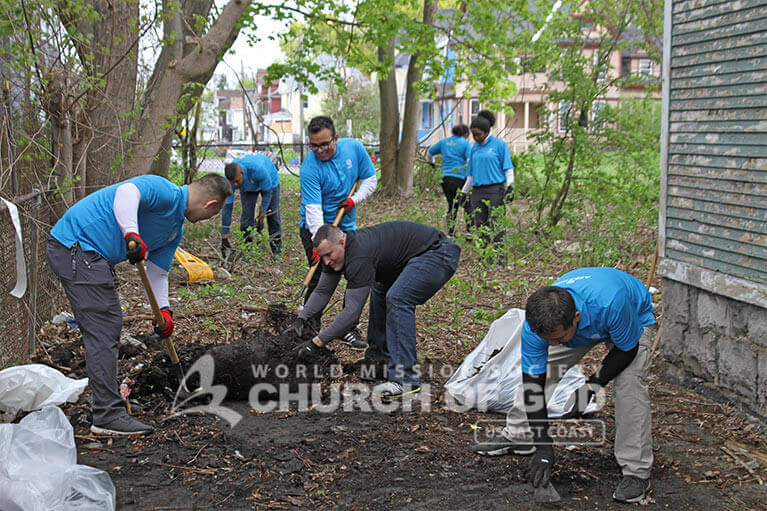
633 418
91 287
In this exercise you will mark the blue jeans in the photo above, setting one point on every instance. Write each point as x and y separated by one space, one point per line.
270 205
391 327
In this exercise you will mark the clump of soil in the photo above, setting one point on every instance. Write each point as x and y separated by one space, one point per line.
256 358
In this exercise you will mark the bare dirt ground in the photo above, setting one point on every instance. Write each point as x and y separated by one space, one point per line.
706 455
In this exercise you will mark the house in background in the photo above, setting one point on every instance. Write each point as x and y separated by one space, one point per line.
712 232
449 105
241 113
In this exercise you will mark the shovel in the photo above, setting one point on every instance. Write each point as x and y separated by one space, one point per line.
313 269
160 321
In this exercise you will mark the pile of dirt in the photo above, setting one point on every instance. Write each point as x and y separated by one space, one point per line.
256 358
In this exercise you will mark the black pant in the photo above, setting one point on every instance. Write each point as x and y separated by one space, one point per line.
451 185
91 287
485 200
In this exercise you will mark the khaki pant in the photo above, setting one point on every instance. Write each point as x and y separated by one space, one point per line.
633 419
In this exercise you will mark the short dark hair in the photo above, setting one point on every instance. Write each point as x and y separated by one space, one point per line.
481 123
549 308
215 186
327 232
460 130
230 170
320 123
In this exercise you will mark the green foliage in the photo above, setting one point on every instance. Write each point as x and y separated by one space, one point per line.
359 103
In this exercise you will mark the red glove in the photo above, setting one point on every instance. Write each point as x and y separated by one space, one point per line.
348 204
167 330
138 252
315 257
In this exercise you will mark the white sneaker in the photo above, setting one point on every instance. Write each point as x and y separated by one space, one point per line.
395 390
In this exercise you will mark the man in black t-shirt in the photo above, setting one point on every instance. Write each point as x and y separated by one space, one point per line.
403 264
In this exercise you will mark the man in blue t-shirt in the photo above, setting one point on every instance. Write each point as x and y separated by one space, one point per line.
328 174
455 158
253 174
583 308
141 218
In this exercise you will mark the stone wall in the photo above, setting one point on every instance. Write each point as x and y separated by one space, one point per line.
718 339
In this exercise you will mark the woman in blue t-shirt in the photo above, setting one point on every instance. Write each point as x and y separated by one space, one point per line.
455 158
491 179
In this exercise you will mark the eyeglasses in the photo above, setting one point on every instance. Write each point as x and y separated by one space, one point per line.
322 146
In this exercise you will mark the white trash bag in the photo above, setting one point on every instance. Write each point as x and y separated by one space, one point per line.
489 376
39 470
33 386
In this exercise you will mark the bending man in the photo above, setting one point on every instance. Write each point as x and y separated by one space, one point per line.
92 237
403 264
563 322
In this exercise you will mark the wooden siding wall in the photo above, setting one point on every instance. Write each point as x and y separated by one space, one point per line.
716 202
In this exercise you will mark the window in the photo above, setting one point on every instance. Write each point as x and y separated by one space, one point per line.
597 114
564 115
426 115
306 103
473 108
645 67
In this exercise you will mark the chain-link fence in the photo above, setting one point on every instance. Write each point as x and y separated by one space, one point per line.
21 318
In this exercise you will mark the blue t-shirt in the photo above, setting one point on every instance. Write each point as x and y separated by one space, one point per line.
328 182
92 223
489 161
258 174
455 155
614 306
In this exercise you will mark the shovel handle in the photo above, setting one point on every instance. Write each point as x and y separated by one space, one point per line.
158 318
339 215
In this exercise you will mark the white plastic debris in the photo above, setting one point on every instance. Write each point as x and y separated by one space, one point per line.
61 317
488 378
127 339
33 386
39 470
653 290
222 274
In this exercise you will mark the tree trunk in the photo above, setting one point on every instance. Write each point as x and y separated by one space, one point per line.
407 149
113 57
162 105
389 137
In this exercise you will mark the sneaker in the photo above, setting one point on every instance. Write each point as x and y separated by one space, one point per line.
498 445
631 489
395 390
124 425
354 339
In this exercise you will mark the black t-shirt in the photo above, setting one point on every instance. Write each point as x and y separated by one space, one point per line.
379 253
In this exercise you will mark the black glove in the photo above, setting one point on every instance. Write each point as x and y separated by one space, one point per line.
541 464
508 195
225 245
307 352
296 328
433 165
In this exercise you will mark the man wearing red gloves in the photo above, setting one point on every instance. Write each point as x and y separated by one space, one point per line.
327 176
92 237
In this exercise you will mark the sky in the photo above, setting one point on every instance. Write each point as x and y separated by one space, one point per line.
264 53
